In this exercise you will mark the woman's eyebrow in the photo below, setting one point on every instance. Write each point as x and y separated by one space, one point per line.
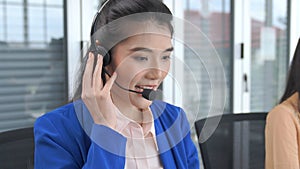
169 49
141 49
149 50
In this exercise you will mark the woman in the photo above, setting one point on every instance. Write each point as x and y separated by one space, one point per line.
283 124
107 126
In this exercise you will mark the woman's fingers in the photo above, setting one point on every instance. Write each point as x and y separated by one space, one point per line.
92 84
97 81
87 75
96 95
106 89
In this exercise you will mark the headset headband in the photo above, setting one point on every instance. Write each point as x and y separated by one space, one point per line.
103 6
96 16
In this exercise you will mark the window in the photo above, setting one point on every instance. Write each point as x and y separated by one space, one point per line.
32 61
213 19
269 53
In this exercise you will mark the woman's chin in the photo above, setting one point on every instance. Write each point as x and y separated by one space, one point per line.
140 102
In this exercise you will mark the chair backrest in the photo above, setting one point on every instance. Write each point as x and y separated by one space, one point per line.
17 149
237 143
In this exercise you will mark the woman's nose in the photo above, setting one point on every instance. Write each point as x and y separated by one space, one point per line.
155 73
158 69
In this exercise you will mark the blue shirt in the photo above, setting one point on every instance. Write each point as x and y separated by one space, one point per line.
66 138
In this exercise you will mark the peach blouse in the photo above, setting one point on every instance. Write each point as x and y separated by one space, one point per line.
282 135
141 148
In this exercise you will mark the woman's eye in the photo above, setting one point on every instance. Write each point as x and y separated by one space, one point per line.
166 57
141 58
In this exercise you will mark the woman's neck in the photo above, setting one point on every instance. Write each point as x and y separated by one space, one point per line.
128 110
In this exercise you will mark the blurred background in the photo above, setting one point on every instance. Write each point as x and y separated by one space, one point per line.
41 41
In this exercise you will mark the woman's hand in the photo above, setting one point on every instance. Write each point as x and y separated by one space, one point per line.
96 96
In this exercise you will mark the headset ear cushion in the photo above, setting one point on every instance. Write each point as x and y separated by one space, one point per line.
106 56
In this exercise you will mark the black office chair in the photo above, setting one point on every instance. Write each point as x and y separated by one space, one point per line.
17 149
237 143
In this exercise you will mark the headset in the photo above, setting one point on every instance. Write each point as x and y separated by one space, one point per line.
96 49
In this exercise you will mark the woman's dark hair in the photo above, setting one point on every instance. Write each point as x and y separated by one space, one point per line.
112 11
293 82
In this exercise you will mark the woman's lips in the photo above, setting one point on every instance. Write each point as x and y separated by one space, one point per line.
140 88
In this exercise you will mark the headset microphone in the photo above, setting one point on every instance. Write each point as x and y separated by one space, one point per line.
148 94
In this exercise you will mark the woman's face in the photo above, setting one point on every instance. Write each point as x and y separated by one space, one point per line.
141 61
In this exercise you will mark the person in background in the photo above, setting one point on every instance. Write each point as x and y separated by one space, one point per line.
106 126
282 132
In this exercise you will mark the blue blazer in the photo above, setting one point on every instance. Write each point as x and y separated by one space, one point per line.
67 138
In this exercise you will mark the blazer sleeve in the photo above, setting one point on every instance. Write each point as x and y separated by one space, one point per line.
281 139
192 153
191 150
54 149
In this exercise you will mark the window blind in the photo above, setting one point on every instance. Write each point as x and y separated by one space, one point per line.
32 82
